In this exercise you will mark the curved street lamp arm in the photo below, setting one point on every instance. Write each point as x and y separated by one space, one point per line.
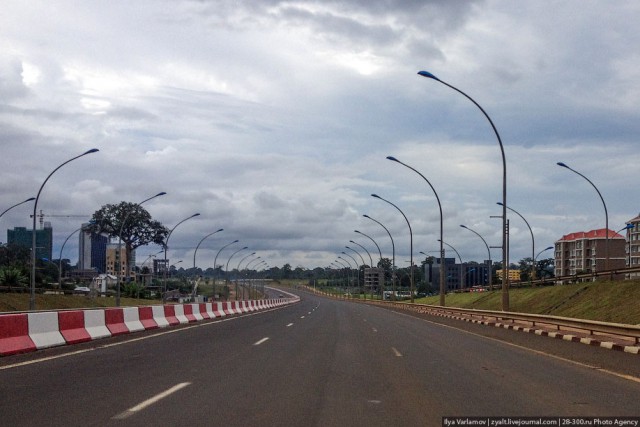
17 204
374 242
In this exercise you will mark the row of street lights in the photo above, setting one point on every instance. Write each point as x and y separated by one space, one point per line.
505 228
165 248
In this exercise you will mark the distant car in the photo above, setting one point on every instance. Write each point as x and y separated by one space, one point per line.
81 290
280 296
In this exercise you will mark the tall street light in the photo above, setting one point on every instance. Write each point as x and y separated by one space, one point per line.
32 296
166 247
393 259
374 242
533 240
365 249
358 268
488 254
17 204
195 280
410 242
442 287
200 242
545 249
606 214
240 262
460 258
226 270
60 257
505 249
118 271
215 263
349 268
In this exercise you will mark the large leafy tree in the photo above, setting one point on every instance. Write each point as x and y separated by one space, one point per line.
131 223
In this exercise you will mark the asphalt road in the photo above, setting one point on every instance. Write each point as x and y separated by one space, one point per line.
319 362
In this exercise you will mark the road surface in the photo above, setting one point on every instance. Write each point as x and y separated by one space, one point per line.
319 362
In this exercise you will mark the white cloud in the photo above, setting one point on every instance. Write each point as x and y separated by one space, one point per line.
273 119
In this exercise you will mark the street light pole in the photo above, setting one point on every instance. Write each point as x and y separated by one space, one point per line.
460 258
606 214
545 249
442 287
358 269
166 247
374 242
533 240
17 204
200 242
32 296
226 270
393 260
215 263
348 271
488 253
505 249
119 255
240 262
60 257
410 243
365 249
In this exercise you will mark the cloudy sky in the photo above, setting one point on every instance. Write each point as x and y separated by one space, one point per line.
273 120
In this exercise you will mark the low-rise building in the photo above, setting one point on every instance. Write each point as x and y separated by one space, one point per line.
633 245
585 252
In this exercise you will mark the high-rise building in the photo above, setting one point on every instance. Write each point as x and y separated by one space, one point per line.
92 251
114 257
44 239
456 276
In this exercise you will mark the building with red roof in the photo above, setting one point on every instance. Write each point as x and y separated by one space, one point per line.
584 252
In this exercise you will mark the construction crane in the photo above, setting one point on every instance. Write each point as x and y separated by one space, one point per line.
41 216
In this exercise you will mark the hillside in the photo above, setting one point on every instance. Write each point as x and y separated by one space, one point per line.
617 302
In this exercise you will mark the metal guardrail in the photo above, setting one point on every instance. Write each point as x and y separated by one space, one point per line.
592 326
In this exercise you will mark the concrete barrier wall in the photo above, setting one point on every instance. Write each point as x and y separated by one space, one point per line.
25 332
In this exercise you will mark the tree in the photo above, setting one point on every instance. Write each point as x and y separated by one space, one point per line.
13 277
14 255
138 228
286 271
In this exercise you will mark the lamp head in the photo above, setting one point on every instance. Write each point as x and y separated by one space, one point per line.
393 159
222 229
376 196
162 193
428 75
366 216
562 164
93 150
463 226
499 204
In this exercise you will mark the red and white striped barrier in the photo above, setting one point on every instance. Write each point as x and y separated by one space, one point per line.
72 327
44 329
14 334
25 332
94 323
